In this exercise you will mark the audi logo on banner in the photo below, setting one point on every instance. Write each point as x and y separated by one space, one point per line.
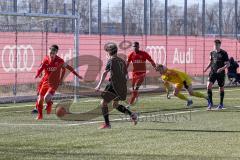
158 53
24 54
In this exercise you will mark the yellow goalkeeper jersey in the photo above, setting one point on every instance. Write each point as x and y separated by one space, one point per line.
176 77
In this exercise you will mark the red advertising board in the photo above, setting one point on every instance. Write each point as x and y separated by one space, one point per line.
21 56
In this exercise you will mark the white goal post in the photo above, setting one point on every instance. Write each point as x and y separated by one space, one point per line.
76 37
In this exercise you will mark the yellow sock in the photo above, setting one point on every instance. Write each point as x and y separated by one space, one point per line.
198 94
181 96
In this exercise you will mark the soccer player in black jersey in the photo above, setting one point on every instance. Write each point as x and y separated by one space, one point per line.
116 89
218 63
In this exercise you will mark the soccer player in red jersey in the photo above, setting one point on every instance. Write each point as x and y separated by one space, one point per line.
138 58
35 111
54 70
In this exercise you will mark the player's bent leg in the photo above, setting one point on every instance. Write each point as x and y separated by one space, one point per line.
35 111
182 97
48 99
209 92
49 107
221 82
125 110
138 81
198 94
221 106
121 108
104 107
195 94
134 96
133 93
40 107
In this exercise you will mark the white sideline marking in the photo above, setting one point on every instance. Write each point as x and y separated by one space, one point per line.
32 105
96 122
96 100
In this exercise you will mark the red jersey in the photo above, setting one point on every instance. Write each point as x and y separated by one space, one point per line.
52 70
139 61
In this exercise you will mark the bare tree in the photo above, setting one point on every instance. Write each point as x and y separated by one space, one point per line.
212 19
176 21
4 20
158 17
193 18
83 10
228 18
134 17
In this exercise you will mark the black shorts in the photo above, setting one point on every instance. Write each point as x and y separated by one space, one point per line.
220 77
109 93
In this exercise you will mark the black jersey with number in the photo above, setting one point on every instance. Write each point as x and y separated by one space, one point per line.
118 77
218 60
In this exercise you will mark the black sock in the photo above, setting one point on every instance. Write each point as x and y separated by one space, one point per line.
123 109
221 97
210 95
105 115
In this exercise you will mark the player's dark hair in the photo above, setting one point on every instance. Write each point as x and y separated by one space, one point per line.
54 47
135 44
217 41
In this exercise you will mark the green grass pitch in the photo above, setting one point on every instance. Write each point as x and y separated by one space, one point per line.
166 130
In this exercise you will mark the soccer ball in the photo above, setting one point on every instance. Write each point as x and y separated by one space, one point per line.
60 111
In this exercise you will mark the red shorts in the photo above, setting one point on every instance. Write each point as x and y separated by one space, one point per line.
138 78
45 88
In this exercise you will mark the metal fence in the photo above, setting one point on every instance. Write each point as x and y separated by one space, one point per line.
135 17
179 34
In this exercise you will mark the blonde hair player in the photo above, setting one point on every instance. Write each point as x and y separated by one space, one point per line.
179 80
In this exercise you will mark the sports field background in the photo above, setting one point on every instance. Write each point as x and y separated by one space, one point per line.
166 130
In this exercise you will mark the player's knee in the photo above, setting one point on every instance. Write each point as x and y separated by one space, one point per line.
103 103
48 98
209 86
115 104
175 93
191 93
221 89
40 99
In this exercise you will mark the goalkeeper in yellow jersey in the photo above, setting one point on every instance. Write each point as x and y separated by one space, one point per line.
179 80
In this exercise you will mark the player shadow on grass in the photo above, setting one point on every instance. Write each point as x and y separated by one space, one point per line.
186 130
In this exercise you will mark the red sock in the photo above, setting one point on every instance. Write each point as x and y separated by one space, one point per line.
135 93
40 113
133 96
49 107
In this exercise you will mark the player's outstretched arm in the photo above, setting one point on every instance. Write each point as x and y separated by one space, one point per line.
63 71
208 66
149 58
39 71
70 68
103 76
